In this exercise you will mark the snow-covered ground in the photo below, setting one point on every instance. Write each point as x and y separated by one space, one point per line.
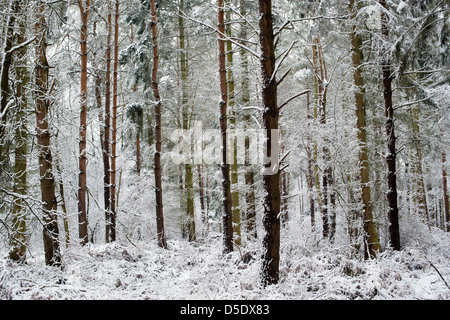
309 270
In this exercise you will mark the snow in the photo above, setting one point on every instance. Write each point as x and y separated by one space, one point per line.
310 269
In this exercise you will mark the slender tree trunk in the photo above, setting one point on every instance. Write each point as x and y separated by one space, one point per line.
158 181
113 201
201 187
233 147
284 215
105 132
227 214
138 153
391 155
319 108
63 204
19 222
82 214
328 210
310 176
418 188
4 75
271 180
189 185
371 242
51 230
250 206
446 216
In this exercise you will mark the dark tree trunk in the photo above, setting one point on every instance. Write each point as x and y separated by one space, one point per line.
391 155
19 221
51 230
107 130
113 198
158 181
271 179
227 216
4 76
82 214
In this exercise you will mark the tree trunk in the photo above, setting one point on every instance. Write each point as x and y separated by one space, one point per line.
113 199
158 181
189 185
391 155
284 214
418 188
63 203
227 214
446 216
328 210
201 188
82 214
371 242
310 176
319 108
233 148
250 206
51 230
271 180
106 132
19 223
4 75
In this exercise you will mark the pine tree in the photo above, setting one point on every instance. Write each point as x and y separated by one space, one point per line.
250 206
82 214
371 242
42 91
227 214
271 180
235 207
19 223
391 155
189 224
158 181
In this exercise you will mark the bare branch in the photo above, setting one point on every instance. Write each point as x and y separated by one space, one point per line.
284 54
292 98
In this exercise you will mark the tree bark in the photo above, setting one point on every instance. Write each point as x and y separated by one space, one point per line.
271 182
328 208
235 207
417 184
446 216
310 175
227 214
107 130
47 181
19 223
189 185
82 214
4 74
158 181
371 242
391 155
113 199
250 206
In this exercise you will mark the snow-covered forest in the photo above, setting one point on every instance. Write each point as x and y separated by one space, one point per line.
224 149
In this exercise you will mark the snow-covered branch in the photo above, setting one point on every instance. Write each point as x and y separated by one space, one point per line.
292 98
224 36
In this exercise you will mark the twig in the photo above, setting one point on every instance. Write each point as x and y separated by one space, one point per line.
440 275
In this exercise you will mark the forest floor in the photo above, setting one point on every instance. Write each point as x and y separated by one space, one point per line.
309 269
